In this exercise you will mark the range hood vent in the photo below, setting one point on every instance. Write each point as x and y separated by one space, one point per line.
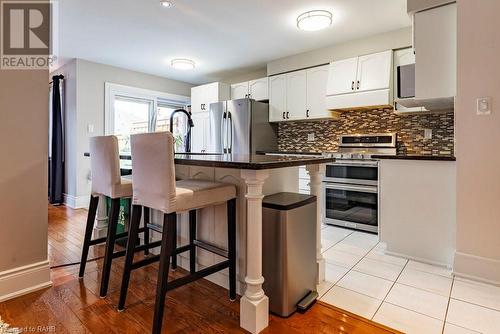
434 104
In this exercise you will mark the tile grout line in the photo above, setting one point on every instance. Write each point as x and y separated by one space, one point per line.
478 305
392 286
351 268
448 305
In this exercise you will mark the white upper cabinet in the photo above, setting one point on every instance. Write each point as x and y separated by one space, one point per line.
255 89
239 90
342 76
299 95
317 79
259 89
202 96
296 95
435 46
360 82
277 98
374 71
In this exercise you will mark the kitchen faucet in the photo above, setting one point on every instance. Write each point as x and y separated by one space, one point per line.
190 125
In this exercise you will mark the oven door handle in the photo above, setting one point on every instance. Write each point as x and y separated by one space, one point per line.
360 164
362 189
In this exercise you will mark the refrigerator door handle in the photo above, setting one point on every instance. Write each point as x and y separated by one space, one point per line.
230 128
223 133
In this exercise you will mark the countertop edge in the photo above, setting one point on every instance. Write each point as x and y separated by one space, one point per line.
252 166
415 157
289 153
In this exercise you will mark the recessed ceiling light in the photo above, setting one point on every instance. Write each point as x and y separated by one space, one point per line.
166 3
182 64
314 20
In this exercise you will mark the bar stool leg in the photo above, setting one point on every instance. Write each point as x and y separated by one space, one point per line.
231 237
129 255
167 247
174 256
192 237
94 202
146 231
110 245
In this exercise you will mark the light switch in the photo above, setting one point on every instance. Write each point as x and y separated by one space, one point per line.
310 136
483 106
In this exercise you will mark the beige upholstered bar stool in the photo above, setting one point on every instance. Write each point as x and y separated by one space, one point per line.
106 181
154 185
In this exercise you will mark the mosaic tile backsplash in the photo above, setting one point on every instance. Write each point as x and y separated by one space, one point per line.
292 136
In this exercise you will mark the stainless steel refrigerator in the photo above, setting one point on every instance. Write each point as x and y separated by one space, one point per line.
241 127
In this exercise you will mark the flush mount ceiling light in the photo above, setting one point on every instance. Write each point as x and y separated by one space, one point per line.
166 3
314 20
182 64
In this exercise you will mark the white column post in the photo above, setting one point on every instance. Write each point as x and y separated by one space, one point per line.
254 305
101 223
317 173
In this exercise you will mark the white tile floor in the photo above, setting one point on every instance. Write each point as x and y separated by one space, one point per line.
410 296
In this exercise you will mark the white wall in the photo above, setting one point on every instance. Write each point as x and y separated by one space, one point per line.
477 141
390 40
245 76
24 115
87 107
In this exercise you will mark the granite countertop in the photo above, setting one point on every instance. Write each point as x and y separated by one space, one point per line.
254 161
415 157
290 153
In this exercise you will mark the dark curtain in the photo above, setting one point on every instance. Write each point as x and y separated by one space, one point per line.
56 158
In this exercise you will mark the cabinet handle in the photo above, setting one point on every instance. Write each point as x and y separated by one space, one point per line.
202 106
287 115
352 85
307 113
357 87
284 115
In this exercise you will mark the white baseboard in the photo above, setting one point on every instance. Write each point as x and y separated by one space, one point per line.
419 259
478 268
76 202
23 280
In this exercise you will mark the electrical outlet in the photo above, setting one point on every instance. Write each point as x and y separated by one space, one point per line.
90 128
310 137
427 133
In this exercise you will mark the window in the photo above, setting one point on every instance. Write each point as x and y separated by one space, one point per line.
130 110
131 116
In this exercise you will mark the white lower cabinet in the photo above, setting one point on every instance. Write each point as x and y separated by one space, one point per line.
304 181
418 209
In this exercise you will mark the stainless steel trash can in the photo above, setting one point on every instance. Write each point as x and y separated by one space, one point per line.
289 250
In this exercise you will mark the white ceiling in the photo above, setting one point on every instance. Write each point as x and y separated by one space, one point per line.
222 36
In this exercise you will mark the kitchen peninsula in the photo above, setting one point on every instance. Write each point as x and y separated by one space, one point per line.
254 176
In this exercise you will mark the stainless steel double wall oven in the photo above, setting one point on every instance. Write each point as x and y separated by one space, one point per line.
351 184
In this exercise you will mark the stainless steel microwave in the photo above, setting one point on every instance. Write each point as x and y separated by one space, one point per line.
406 81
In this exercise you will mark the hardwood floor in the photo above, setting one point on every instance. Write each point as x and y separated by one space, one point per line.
73 305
